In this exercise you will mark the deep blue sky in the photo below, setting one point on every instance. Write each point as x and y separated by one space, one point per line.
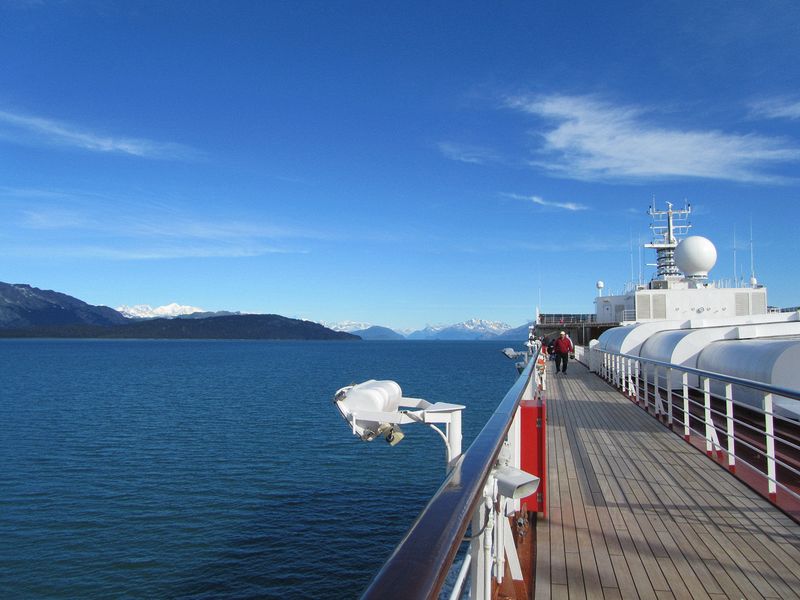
400 164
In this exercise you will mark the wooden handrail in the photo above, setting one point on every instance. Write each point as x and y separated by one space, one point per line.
419 564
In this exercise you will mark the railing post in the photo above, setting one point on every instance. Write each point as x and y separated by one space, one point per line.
769 431
614 370
686 414
658 405
631 384
646 396
623 363
706 384
668 390
729 426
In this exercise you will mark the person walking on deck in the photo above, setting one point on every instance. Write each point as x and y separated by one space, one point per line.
562 348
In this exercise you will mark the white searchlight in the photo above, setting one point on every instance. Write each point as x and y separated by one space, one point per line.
378 408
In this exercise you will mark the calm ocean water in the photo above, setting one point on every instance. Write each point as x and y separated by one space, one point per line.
177 469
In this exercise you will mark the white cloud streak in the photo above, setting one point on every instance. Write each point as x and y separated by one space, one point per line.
76 226
467 153
776 108
593 140
570 206
142 252
32 130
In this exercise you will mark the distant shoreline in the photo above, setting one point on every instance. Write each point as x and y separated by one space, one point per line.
243 327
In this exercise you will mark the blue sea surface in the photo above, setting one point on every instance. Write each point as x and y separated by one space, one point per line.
210 469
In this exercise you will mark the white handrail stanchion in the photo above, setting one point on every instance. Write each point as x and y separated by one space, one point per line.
729 426
769 430
686 412
668 391
658 405
706 384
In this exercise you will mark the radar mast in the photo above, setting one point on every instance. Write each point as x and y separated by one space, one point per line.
667 226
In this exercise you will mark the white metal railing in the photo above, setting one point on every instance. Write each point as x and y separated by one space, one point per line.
707 407
565 318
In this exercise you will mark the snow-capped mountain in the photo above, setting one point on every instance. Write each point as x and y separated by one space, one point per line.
429 332
473 329
145 311
482 326
347 326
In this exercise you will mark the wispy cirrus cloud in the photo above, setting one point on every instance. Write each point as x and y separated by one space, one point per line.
39 131
467 153
140 251
85 225
570 206
590 139
776 108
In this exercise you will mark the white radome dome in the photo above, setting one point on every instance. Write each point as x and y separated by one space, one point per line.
600 285
695 256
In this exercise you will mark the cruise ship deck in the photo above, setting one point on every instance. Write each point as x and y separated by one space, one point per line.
633 511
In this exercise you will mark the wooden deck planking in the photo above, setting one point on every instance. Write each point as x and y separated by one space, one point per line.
635 512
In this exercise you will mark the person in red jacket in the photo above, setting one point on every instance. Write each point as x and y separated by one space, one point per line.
562 348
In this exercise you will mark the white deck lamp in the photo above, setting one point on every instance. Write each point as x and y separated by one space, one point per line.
378 408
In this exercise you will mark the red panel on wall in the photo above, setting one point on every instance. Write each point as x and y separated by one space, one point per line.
533 456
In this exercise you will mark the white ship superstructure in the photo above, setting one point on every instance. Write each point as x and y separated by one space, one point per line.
682 318
680 289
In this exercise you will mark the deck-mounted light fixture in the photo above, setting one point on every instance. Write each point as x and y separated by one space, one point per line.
378 408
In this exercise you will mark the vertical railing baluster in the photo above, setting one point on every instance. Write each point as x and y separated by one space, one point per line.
668 391
686 413
706 383
769 430
729 426
644 399
657 407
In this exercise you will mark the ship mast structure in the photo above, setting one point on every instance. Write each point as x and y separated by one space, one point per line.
666 226
680 288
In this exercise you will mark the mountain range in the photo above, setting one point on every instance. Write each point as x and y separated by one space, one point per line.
23 306
377 332
473 329
26 311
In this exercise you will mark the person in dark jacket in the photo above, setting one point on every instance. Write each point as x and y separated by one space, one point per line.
562 348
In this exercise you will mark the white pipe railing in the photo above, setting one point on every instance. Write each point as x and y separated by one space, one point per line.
724 430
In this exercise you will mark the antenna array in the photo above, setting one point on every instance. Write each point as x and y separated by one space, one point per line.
668 227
